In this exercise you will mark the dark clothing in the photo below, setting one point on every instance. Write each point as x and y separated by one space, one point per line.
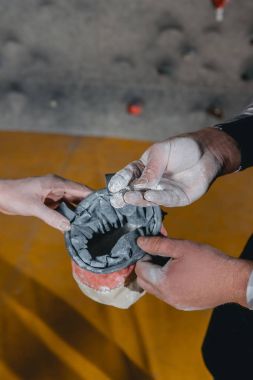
241 129
228 348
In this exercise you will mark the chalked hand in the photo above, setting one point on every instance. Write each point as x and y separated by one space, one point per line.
177 171
197 277
39 197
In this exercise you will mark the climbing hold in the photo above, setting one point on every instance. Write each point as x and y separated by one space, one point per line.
247 75
219 6
165 68
53 103
187 51
215 110
135 108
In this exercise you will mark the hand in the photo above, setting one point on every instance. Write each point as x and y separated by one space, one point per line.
176 172
39 196
197 277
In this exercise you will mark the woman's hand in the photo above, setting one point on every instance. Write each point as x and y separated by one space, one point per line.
40 196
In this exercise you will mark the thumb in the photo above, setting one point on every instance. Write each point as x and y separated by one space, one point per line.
51 217
161 246
156 162
123 177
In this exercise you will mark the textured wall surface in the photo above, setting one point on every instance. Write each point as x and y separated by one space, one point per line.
72 65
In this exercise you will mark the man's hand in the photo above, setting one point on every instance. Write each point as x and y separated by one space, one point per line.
39 196
176 172
197 277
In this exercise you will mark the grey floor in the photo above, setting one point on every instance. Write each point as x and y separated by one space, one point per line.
72 66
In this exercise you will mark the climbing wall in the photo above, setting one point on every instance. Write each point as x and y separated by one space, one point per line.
74 66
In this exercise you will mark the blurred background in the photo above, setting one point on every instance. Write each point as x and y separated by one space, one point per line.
84 84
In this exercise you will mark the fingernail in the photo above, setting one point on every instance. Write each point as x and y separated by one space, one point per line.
117 200
148 196
115 185
113 188
64 226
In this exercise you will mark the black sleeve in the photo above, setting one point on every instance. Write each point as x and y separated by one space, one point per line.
241 129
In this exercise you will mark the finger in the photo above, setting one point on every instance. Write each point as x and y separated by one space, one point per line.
73 199
59 187
173 196
161 246
149 273
136 198
156 162
51 217
123 177
75 190
117 200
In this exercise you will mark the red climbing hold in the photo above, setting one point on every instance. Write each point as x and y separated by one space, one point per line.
135 109
219 5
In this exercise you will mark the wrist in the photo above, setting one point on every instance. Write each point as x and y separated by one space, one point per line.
242 270
241 130
222 146
5 186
